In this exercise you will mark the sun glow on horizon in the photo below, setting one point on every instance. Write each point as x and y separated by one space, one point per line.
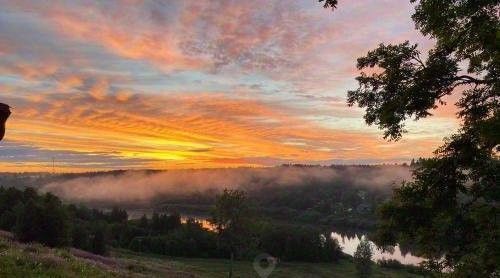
102 86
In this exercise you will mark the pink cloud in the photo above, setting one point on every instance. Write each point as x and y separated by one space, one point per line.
88 78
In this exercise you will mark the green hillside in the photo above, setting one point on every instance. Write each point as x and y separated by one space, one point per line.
35 260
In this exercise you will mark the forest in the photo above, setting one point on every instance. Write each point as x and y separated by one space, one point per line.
44 218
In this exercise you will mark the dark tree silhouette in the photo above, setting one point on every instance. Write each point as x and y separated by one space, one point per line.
98 238
41 218
28 215
363 258
54 222
230 217
4 115
329 4
449 212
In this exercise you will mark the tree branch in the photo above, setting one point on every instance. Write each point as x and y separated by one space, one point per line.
469 79
417 58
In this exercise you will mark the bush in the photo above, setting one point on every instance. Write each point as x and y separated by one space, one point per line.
390 263
394 264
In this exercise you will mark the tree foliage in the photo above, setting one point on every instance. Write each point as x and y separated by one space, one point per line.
43 218
363 258
36 218
329 4
299 243
4 115
449 211
231 219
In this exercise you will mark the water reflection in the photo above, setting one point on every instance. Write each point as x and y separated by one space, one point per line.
350 243
203 221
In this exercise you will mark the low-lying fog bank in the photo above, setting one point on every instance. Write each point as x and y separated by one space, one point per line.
141 187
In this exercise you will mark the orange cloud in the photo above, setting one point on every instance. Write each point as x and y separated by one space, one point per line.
28 70
99 90
194 131
70 82
114 32
79 87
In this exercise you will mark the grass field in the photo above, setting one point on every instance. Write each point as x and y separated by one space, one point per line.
218 268
35 260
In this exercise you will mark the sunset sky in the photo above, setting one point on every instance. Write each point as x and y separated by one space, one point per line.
196 84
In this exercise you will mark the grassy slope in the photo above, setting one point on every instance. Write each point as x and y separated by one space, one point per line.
20 260
34 260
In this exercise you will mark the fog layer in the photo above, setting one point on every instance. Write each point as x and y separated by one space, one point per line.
142 186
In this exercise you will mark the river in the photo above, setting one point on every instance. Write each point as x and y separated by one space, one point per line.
350 243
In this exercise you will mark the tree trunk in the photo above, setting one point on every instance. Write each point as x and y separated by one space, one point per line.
231 265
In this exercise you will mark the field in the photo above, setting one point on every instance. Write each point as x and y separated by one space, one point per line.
35 260
217 268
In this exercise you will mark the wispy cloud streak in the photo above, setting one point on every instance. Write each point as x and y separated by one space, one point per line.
194 84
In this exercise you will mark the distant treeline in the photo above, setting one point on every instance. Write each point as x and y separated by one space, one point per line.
44 218
343 202
347 200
